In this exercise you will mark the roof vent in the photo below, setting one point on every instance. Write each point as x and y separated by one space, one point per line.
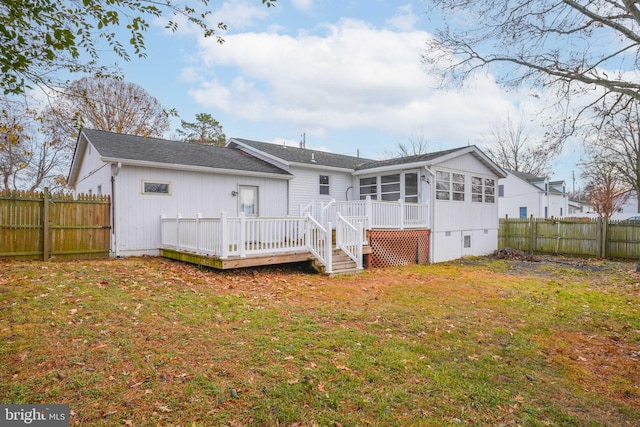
313 157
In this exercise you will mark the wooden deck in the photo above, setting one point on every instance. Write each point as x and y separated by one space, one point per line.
235 261
241 262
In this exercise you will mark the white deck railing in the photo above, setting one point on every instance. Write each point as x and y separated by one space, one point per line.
244 236
376 214
224 237
319 242
349 238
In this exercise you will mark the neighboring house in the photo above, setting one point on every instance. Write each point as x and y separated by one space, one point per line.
628 208
147 178
523 195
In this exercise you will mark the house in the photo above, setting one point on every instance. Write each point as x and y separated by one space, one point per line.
147 177
448 196
628 201
523 195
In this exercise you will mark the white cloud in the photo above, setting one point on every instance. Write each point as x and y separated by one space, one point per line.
238 15
404 20
353 76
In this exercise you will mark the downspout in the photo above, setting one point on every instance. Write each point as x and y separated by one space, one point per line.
114 211
432 209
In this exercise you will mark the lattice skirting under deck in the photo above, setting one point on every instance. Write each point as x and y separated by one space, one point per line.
398 247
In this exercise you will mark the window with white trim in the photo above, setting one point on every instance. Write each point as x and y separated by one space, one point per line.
483 189
324 184
369 187
411 187
449 186
390 187
153 187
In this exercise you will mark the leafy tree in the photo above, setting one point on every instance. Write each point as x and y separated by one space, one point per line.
205 130
571 46
40 38
513 148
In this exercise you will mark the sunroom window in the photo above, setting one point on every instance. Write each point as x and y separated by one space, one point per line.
390 187
449 186
368 187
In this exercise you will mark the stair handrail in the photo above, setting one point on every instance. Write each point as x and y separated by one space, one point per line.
319 241
349 238
323 212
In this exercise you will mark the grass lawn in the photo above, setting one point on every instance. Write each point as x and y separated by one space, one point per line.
147 341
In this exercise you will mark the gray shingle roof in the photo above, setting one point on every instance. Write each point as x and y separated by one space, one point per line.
305 155
406 160
130 147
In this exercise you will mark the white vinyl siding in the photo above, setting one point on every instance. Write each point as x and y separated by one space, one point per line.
138 215
304 187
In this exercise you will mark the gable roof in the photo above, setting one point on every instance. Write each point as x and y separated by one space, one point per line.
304 156
554 187
430 159
131 149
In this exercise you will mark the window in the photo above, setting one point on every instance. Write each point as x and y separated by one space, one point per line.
523 212
248 200
500 190
324 184
411 187
483 189
149 187
467 242
368 187
390 187
99 189
489 190
476 189
449 186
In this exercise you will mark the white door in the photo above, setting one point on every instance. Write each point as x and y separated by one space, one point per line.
467 244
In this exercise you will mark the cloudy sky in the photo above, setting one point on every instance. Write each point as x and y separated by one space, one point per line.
346 73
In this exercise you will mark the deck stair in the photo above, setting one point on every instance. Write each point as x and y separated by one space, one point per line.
340 264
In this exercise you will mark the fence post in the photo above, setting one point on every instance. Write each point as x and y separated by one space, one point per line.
161 230
224 236
533 235
360 238
505 232
243 235
401 204
328 244
178 230
46 238
198 216
368 211
605 238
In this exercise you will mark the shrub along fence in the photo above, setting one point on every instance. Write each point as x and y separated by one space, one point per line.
45 226
599 237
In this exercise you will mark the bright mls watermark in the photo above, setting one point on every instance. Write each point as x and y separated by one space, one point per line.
34 415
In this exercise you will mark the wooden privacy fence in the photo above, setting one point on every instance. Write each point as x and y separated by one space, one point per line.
569 236
43 226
